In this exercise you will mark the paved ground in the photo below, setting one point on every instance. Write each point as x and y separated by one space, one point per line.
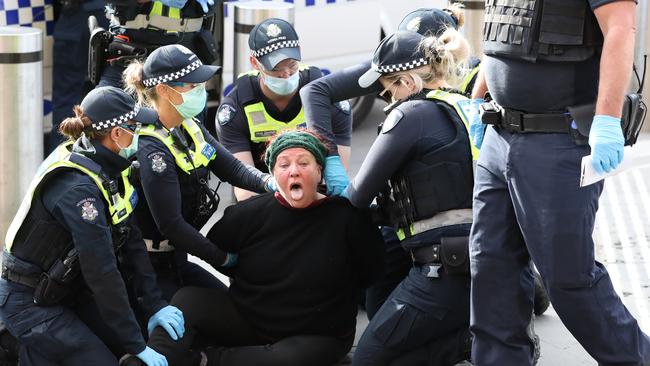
622 237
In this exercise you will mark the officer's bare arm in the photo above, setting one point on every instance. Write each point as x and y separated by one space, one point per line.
245 157
480 86
617 21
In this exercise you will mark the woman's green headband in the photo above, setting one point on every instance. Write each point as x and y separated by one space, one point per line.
295 138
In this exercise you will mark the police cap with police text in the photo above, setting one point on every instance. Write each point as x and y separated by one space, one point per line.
273 41
175 63
400 51
429 21
109 106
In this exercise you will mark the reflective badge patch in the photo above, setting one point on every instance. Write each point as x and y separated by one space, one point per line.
392 120
208 151
225 114
88 210
158 164
344 106
133 200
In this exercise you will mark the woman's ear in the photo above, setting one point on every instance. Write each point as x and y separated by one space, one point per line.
162 91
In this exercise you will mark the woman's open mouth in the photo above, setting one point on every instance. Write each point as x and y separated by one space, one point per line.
296 191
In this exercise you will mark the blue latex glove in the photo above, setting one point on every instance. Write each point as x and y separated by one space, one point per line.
171 319
174 3
335 176
606 141
152 358
231 260
205 3
476 127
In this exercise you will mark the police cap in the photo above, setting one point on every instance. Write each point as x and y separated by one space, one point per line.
109 106
428 21
175 63
273 41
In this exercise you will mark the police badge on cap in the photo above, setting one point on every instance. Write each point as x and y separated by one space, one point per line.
273 41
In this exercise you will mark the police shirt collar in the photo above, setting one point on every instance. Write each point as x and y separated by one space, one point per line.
112 164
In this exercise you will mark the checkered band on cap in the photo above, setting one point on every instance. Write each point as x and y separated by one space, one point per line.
172 76
276 46
387 69
120 120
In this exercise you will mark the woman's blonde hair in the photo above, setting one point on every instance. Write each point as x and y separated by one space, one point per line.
73 127
132 77
447 57
457 10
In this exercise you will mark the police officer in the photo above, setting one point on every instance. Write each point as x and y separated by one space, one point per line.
176 155
320 94
70 58
139 27
544 59
266 100
423 152
72 234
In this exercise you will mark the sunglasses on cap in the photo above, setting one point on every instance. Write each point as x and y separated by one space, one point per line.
183 84
133 127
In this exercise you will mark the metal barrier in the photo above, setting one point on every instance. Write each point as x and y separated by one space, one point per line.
247 15
21 115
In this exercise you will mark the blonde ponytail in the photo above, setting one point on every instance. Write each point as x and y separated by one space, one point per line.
457 11
447 55
132 78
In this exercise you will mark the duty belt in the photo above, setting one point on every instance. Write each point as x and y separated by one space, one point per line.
29 281
426 255
442 219
521 122
185 25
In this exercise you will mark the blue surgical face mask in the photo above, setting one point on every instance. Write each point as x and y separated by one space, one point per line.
193 101
282 86
129 151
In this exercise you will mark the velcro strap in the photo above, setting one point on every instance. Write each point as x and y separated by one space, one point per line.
164 23
11 276
426 255
516 121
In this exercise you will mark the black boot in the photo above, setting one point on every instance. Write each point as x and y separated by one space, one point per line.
542 300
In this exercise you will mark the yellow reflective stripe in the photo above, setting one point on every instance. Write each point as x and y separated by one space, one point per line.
467 79
156 8
262 126
175 13
452 99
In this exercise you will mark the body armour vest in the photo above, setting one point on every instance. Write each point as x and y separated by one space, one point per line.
35 235
261 125
187 159
439 180
548 30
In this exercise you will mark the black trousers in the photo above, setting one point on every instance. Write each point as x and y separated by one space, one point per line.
211 313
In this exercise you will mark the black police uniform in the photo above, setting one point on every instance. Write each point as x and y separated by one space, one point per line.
200 41
425 318
527 189
68 210
174 210
233 125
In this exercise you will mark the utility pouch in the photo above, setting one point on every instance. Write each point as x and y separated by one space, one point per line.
634 112
206 47
455 255
491 113
57 282
582 116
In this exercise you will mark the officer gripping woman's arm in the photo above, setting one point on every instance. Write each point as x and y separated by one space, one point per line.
176 155
73 231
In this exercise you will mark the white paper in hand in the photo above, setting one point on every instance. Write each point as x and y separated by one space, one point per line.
631 158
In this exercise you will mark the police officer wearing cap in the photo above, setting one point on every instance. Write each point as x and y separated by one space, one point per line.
545 60
265 101
342 85
176 155
139 27
71 247
420 170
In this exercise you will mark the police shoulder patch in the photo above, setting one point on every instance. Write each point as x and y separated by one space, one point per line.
157 161
88 210
225 114
392 120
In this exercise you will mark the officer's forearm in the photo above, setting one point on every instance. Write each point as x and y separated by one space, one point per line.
480 86
618 23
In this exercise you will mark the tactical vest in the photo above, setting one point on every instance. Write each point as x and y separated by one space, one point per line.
35 235
186 159
261 124
549 30
441 179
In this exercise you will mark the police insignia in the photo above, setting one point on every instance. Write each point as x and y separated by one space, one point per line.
414 24
158 165
225 114
344 106
392 120
273 30
88 211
